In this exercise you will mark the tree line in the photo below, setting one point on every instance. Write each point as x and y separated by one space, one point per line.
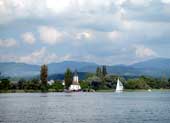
100 80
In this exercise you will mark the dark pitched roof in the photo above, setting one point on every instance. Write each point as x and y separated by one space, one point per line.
75 73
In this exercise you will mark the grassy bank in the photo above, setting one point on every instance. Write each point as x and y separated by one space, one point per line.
20 91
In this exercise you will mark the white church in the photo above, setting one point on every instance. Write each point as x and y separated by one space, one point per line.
75 86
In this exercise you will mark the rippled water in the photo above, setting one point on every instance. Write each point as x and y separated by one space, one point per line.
127 107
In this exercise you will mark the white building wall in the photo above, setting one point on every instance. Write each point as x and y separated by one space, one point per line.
74 87
75 79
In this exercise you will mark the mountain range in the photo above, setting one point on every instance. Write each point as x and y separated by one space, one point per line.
155 67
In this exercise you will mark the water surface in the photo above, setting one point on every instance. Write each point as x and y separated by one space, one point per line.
126 107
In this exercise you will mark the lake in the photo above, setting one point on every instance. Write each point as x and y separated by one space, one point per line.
126 107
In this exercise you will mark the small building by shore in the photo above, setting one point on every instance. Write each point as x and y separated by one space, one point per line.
50 82
75 86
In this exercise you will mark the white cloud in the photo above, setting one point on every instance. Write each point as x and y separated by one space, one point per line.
41 56
55 58
114 35
166 1
8 58
44 9
93 5
84 35
8 43
144 52
34 57
18 9
58 6
50 35
140 2
91 21
28 37
119 2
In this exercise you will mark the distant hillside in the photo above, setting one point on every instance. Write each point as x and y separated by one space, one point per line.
81 75
18 69
62 66
13 69
155 67
158 63
123 70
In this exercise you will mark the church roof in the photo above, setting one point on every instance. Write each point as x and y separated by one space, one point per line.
75 73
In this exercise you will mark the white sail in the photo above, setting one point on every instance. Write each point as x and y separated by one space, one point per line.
119 86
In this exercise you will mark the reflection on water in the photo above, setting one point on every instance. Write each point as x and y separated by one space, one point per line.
43 94
129 107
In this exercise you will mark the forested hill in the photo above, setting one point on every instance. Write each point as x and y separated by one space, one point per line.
154 67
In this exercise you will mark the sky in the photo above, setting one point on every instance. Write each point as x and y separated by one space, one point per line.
101 31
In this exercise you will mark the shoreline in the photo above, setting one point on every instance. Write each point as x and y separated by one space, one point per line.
104 91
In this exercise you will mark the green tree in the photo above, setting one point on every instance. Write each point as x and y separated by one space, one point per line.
21 83
98 72
152 82
13 86
111 81
94 81
137 84
104 71
57 86
163 82
84 85
5 84
35 84
43 77
68 78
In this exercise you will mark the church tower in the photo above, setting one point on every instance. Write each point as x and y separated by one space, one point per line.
75 86
75 78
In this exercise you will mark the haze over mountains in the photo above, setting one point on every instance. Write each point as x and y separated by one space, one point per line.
156 67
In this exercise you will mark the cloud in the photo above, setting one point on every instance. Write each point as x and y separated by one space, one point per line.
58 6
28 37
166 1
35 57
7 43
114 35
89 28
41 56
144 52
146 10
50 35
140 2
11 10
8 58
90 11
83 12
83 35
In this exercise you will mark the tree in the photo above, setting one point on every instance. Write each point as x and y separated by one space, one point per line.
84 85
35 84
104 71
21 83
13 86
5 84
111 81
57 86
98 72
68 78
137 84
94 81
43 77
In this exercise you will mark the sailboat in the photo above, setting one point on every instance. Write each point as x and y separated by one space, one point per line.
119 86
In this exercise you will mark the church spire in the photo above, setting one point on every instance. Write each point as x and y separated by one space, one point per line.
75 72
